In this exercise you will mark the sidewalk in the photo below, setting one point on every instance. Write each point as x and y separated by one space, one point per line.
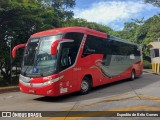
147 70
150 71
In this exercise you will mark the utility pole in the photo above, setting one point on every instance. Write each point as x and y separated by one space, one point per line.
10 52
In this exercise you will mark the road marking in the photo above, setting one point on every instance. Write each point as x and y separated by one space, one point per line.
118 98
105 100
30 119
148 97
107 112
109 99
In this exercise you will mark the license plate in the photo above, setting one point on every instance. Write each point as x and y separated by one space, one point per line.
31 91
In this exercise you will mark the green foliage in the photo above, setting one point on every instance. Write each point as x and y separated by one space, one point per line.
153 25
153 2
21 18
147 65
84 23
60 7
141 32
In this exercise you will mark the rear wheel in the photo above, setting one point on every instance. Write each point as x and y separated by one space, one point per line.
133 75
85 86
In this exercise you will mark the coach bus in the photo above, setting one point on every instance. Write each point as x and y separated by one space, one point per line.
66 60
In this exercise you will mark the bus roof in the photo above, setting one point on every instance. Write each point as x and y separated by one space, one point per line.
122 40
81 30
70 29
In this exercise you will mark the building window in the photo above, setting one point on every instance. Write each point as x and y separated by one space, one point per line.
156 51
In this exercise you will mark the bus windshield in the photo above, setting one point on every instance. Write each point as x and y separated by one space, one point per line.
38 59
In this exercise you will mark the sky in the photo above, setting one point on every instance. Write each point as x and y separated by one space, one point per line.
114 13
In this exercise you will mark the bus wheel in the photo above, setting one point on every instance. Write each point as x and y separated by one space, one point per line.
133 75
85 86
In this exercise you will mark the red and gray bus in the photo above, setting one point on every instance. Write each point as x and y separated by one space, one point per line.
66 60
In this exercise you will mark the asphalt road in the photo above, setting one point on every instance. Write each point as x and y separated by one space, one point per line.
142 94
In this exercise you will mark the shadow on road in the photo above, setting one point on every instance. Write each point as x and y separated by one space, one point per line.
115 88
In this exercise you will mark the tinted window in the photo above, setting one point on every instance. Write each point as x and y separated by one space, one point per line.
120 48
69 50
92 45
137 51
77 37
65 59
109 46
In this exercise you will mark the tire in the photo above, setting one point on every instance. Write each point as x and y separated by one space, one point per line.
85 86
133 75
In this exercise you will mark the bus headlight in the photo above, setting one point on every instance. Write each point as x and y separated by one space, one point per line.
48 82
52 81
24 79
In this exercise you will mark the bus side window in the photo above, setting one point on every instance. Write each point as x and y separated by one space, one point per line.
92 46
73 51
65 57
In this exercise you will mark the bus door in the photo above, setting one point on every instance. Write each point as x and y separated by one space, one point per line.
66 61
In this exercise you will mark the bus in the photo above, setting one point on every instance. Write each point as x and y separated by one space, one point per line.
75 59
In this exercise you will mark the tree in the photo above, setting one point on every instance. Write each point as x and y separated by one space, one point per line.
84 23
153 2
141 32
19 19
61 7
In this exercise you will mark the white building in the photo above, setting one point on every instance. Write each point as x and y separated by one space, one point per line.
155 55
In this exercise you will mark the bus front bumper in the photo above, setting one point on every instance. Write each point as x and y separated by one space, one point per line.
38 89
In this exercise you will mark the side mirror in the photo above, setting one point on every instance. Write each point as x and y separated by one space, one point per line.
15 49
55 45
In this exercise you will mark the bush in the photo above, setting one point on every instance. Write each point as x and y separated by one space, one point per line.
4 83
147 64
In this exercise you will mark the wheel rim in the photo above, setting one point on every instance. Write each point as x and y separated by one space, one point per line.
133 75
84 86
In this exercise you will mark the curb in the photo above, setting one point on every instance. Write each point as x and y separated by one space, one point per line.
146 71
9 89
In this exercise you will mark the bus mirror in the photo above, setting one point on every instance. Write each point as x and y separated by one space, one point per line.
55 44
54 47
15 49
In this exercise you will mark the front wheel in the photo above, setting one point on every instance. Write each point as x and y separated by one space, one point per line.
85 86
133 75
